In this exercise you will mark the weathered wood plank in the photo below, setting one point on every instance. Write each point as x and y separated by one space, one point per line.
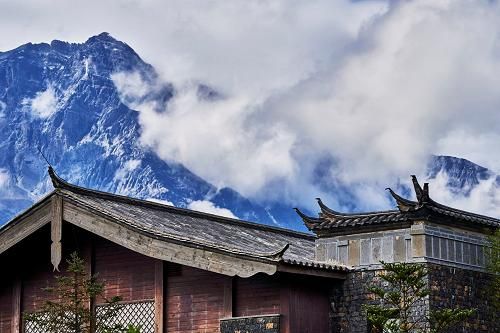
16 306
195 305
56 231
125 273
162 249
159 292
28 225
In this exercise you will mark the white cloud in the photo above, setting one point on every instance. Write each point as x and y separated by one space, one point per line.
126 169
401 84
44 104
209 207
213 138
483 198
374 86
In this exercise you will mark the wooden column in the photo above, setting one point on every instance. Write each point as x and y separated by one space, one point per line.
159 292
56 231
285 295
228 298
16 306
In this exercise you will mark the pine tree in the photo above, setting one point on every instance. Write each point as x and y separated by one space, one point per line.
407 290
69 311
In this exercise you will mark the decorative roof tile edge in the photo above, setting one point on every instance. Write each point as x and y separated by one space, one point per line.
330 219
317 265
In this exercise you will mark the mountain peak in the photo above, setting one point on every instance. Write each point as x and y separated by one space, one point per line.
463 174
103 37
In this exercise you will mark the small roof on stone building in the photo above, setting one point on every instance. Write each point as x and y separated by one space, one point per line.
330 221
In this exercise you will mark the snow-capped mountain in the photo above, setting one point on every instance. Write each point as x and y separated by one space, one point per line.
60 99
462 175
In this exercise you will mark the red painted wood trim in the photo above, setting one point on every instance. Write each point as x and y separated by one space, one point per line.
16 307
159 292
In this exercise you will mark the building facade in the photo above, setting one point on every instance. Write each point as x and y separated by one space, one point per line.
176 270
451 243
184 271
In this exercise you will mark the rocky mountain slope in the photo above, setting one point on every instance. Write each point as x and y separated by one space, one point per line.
59 99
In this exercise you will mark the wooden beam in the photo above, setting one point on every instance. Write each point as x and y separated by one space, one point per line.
17 231
163 249
159 293
56 231
16 306
228 298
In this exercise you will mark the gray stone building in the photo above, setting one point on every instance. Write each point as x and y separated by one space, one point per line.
452 243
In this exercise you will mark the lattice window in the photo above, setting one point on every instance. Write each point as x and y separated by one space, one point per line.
137 313
32 327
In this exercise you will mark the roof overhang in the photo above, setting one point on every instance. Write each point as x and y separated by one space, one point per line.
141 241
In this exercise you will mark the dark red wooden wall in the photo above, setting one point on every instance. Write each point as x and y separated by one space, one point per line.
309 305
195 299
258 295
5 307
124 272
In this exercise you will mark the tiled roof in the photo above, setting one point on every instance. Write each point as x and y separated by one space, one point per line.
199 229
408 211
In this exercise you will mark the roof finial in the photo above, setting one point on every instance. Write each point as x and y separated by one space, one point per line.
418 189
308 221
326 209
404 205
56 181
278 255
425 193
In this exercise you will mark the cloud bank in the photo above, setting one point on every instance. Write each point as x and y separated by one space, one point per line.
316 97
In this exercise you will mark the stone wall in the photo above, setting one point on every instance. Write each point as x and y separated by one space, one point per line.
347 302
450 288
456 287
254 324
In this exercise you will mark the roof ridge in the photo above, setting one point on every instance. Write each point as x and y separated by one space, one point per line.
60 183
372 213
456 210
328 211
